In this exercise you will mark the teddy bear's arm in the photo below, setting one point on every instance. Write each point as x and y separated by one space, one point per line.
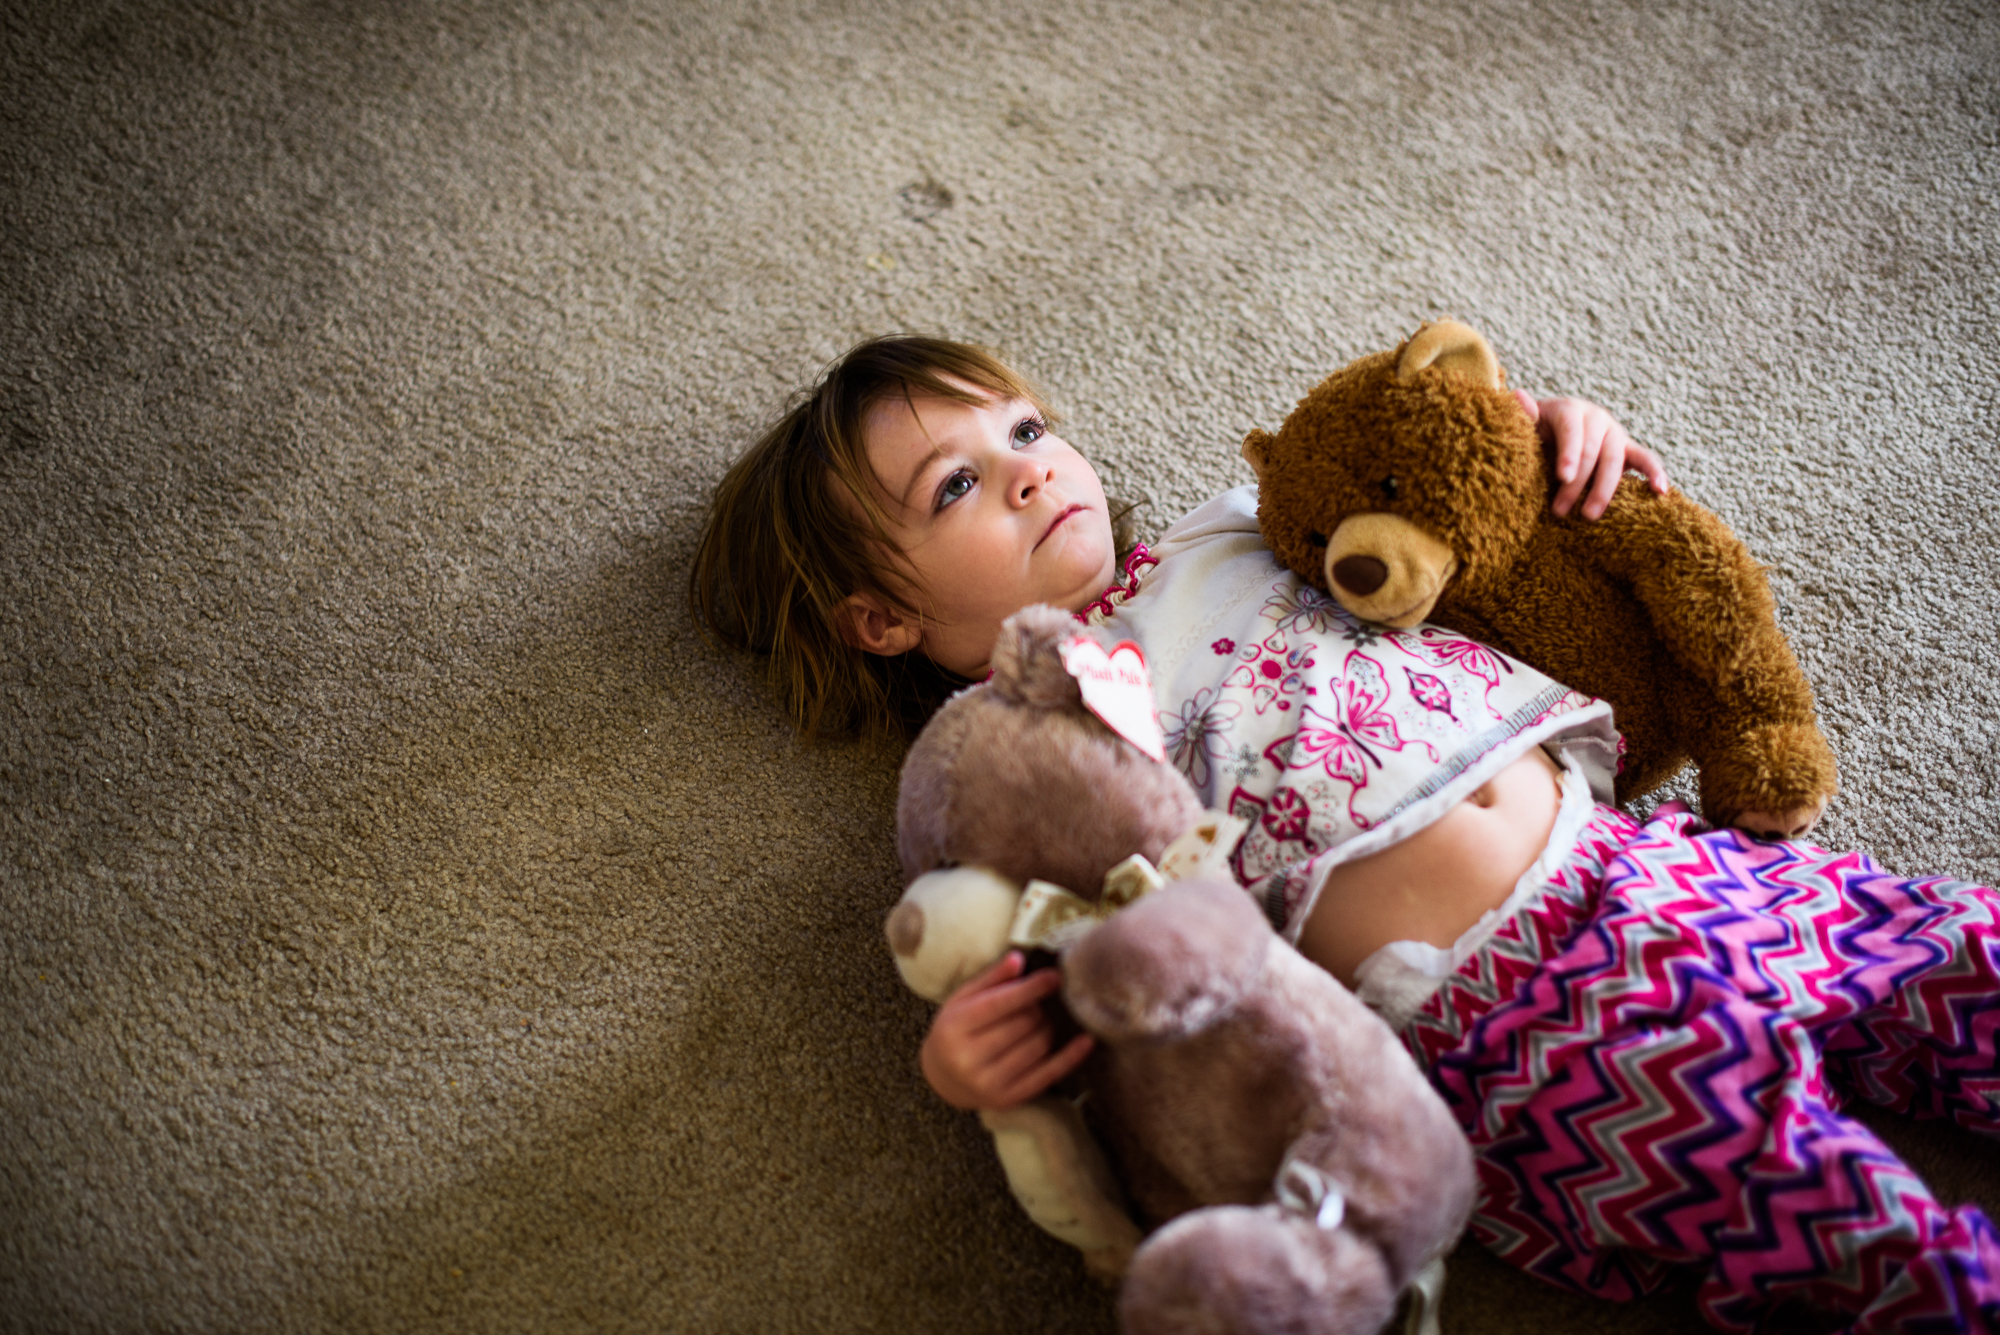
1746 716
1704 593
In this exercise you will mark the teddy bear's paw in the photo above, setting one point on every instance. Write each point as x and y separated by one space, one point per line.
1169 966
1796 823
1773 780
1234 1268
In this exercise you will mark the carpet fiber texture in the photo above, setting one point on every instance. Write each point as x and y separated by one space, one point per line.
411 924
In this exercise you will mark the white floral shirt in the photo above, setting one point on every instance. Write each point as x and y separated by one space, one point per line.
1333 737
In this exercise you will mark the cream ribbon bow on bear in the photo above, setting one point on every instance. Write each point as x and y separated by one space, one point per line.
1051 918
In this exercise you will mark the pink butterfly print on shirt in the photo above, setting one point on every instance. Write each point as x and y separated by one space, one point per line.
1345 742
1443 649
1430 692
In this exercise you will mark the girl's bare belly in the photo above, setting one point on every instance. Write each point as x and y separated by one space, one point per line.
1438 882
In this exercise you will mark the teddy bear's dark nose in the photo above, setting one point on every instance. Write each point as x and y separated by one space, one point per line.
1360 575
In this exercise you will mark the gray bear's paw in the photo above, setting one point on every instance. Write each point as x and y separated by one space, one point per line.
1234 1268
1170 965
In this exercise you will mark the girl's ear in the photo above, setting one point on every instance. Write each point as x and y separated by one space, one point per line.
871 625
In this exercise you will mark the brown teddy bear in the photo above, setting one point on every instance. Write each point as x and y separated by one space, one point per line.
1412 486
1309 1171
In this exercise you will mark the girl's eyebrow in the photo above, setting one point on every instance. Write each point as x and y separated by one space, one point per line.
938 450
923 467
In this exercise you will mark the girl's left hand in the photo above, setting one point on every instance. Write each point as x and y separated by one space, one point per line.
1592 451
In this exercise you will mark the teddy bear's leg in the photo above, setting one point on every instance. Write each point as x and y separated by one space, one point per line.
1263 1270
1058 1174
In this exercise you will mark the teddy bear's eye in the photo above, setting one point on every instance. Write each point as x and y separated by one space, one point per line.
1316 538
1390 487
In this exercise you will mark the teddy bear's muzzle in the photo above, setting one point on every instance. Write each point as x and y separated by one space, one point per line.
1385 569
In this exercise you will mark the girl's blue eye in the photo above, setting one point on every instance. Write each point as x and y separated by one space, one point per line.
1029 430
954 487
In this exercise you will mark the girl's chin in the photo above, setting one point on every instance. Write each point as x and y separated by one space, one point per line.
1086 561
1102 574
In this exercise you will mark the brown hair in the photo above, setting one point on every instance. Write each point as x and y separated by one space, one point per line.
782 549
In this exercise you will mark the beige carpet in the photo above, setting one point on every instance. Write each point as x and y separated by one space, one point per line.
410 925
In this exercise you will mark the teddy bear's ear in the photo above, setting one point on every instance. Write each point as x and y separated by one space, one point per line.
1256 447
1027 659
1450 346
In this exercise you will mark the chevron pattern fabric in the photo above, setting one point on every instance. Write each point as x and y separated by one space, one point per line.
1650 1059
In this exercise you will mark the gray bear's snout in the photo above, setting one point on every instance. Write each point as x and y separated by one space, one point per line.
905 929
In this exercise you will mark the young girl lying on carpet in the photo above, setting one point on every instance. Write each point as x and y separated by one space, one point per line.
1641 1028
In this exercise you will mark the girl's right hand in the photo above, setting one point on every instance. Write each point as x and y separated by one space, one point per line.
989 1045
1592 453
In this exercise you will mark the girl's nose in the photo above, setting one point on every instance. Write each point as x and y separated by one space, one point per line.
1034 475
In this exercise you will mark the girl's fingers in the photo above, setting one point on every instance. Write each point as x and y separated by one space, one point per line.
1592 453
1571 444
986 1046
1578 450
1565 499
1647 465
1002 970
1006 996
1006 1069
1610 472
976 996
1046 1072
992 1050
966 1067
1560 423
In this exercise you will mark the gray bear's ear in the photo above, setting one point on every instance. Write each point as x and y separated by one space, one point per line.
1256 452
1450 346
1027 659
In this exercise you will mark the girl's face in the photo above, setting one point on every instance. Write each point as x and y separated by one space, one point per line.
992 512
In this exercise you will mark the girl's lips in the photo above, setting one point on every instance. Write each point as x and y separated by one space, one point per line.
1057 523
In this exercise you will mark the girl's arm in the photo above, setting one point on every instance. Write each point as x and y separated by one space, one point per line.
989 1045
1592 451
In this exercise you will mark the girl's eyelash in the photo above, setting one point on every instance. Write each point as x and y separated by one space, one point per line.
944 494
1033 422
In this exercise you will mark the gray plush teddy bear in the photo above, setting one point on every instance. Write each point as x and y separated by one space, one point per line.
1299 1170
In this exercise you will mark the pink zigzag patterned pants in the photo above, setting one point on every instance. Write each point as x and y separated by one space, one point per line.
1649 1059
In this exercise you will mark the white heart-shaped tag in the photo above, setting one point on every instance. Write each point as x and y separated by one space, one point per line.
1118 689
